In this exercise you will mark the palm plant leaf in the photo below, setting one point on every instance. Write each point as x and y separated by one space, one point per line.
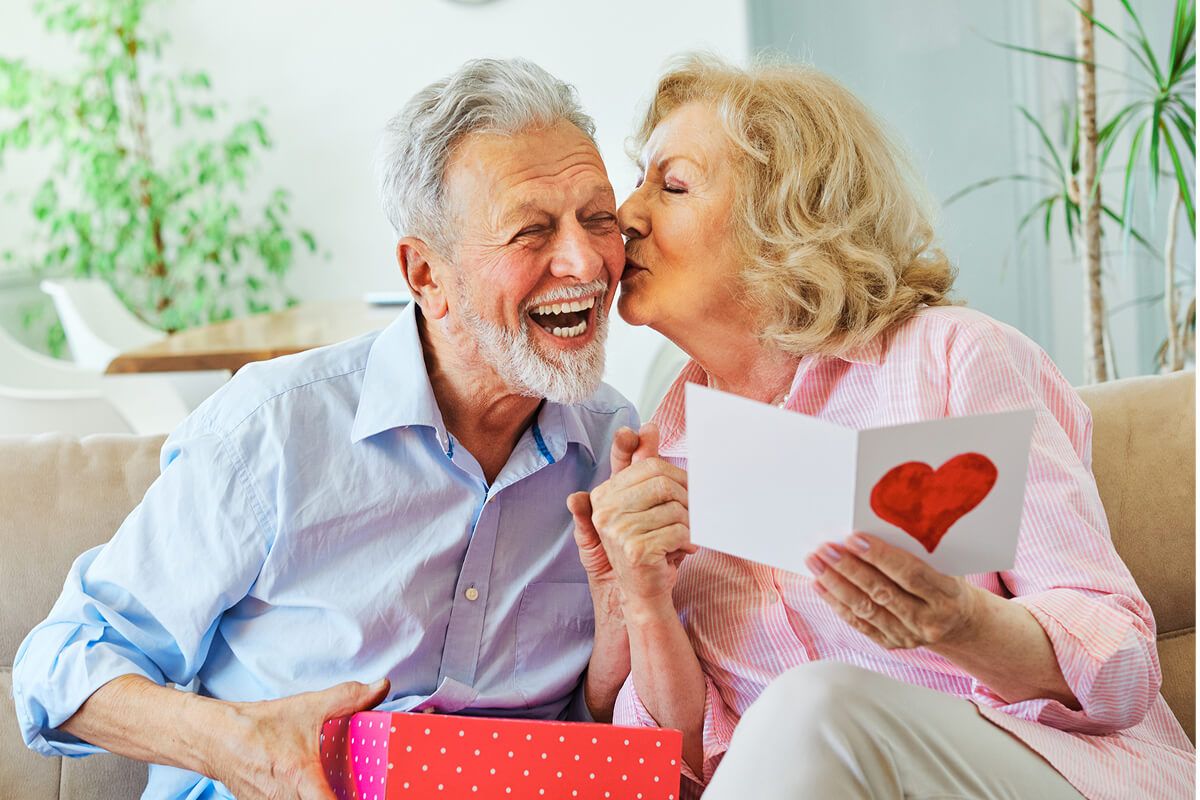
1143 43
1045 137
1121 39
1031 213
1117 218
1131 169
983 184
1181 178
1182 32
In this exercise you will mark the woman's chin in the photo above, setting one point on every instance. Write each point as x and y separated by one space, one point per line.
631 309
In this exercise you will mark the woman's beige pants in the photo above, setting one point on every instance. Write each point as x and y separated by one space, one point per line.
828 730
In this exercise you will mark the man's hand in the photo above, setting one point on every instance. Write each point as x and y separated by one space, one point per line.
273 751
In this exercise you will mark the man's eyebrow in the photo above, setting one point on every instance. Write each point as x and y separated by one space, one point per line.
522 211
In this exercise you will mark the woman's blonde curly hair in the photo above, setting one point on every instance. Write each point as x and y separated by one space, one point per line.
828 214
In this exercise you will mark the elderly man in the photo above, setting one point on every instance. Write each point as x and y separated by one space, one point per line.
390 509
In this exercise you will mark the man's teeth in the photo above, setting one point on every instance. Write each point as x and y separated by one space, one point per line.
560 308
570 333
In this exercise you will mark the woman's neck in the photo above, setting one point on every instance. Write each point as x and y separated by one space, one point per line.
737 361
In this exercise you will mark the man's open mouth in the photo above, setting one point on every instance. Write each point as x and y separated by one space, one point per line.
566 319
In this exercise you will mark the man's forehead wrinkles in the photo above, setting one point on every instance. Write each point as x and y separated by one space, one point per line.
563 169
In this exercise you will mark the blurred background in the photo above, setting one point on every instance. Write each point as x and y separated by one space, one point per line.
212 161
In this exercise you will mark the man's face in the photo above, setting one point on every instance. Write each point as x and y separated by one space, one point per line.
538 255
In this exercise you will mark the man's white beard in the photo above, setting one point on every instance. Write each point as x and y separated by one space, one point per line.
563 377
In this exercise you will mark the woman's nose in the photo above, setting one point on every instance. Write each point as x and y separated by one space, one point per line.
632 217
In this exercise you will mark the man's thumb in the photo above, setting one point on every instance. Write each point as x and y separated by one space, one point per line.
580 506
351 697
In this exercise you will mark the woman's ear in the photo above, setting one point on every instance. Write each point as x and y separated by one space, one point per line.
424 272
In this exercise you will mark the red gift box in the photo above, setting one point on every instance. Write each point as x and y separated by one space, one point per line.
379 755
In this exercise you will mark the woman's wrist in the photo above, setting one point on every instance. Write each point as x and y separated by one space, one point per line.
648 611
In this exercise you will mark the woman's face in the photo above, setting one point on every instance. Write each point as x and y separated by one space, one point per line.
681 261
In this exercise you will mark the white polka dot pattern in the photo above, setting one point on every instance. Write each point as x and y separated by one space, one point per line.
377 755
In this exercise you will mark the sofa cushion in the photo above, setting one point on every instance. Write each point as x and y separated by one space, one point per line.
22 774
60 496
1177 655
1144 458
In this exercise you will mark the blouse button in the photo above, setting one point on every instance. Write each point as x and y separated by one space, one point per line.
472 594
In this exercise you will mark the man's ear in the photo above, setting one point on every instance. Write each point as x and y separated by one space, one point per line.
424 273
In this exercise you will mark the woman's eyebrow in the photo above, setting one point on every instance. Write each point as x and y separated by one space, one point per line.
665 161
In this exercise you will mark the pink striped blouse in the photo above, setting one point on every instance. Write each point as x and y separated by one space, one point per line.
749 623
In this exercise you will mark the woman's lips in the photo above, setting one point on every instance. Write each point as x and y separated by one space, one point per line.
631 269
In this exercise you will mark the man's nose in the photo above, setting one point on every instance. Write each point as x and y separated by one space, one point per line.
578 255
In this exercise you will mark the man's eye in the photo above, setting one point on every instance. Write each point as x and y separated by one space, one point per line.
602 220
532 230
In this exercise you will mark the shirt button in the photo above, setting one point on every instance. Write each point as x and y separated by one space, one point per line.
472 594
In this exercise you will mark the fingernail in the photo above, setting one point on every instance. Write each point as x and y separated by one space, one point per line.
377 685
830 552
814 564
859 543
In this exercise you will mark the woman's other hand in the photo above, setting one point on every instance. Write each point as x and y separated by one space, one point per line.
891 596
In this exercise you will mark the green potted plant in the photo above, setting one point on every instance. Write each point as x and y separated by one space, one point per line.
1159 111
169 229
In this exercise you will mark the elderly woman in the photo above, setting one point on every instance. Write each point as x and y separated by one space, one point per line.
775 237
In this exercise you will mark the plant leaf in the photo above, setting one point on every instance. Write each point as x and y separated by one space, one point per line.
1130 166
1181 178
1141 60
1031 213
1045 139
961 193
1133 232
1143 42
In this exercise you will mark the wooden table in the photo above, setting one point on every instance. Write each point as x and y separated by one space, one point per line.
232 344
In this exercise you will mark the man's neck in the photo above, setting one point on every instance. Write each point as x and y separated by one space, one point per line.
478 408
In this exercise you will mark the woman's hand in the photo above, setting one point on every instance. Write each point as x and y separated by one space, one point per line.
640 515
893 597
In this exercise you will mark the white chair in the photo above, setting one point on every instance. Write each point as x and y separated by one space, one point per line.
97 324
663 371
40 394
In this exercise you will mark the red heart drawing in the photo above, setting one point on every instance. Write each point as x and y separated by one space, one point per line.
925 503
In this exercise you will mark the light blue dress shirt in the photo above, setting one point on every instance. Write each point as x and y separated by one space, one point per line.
314 523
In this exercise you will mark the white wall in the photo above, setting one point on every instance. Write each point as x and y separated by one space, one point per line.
331 73
927 68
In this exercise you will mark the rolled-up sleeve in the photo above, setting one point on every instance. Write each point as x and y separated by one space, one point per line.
719 723
1067 572
147 603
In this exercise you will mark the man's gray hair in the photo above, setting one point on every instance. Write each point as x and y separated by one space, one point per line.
483 96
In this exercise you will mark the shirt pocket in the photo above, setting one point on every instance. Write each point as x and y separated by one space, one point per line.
555 628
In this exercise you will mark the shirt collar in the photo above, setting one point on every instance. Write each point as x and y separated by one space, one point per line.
870 352
560 425
671 413
396 391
